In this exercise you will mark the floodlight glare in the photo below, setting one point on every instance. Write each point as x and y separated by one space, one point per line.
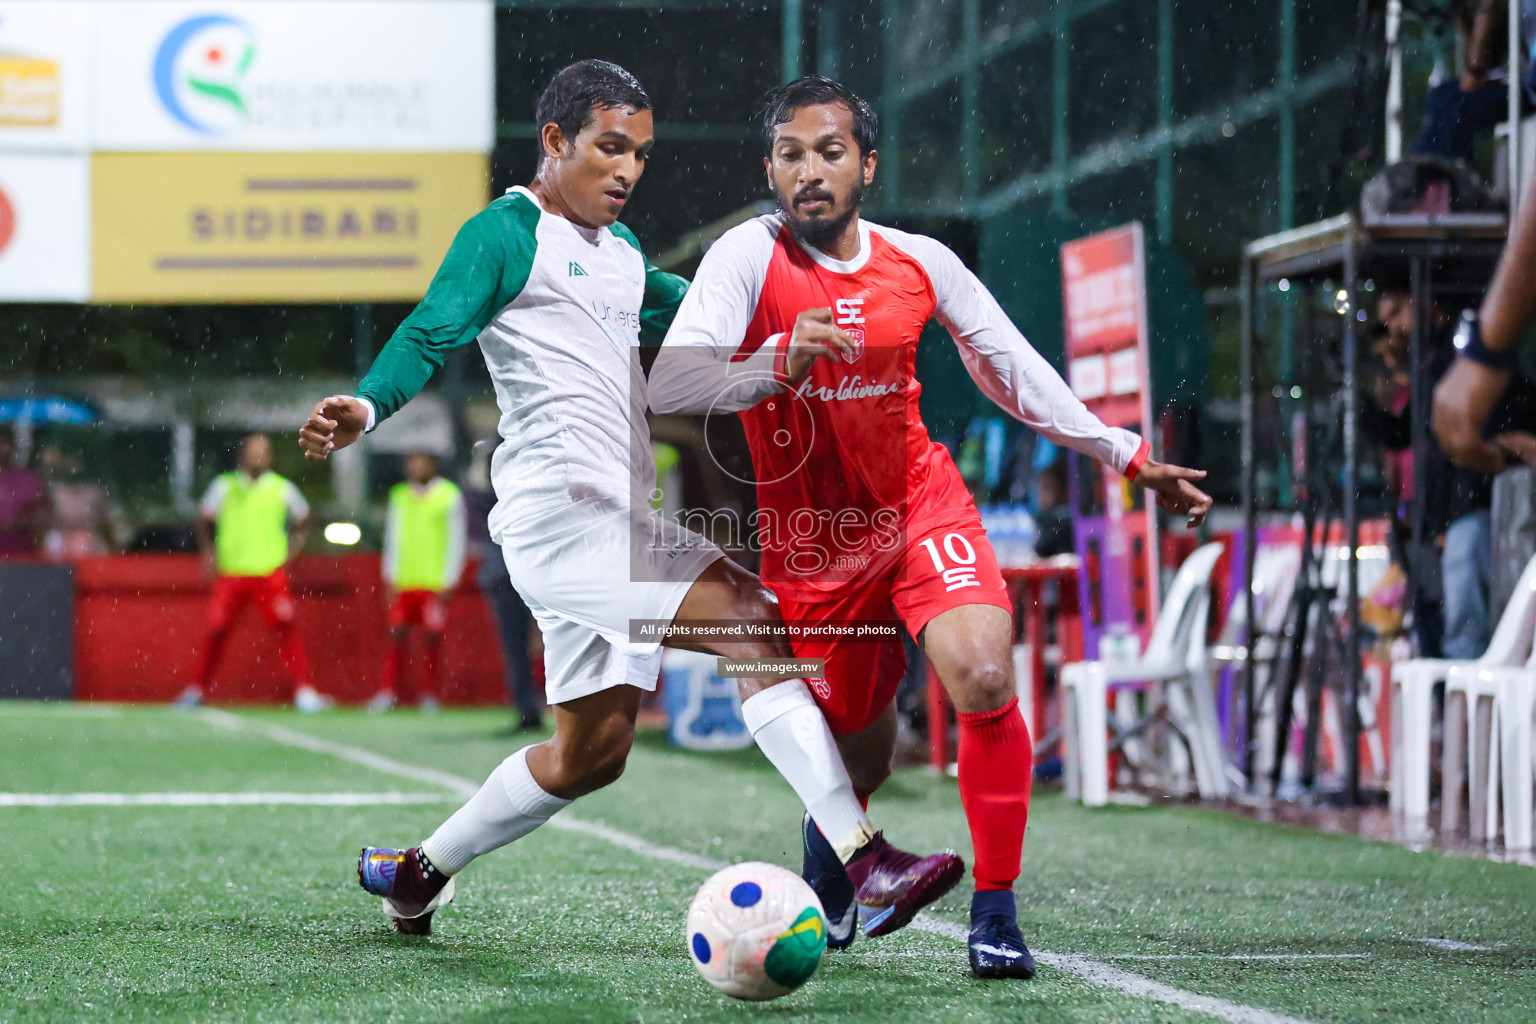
345 534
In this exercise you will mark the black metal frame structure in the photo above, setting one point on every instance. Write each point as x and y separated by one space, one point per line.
1450 254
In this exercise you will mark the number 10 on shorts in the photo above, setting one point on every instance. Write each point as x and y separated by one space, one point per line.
961 572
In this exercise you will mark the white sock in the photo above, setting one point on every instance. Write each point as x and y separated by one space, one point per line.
508 806
791 730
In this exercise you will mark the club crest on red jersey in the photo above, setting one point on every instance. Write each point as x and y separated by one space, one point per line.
857 334
850 314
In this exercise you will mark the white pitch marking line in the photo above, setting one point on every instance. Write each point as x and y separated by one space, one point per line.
215 799
457 784
60 709
1238 956
1091 971
366 758
1453 946
1124 981
635 843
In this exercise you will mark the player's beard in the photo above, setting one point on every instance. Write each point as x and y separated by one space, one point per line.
818 232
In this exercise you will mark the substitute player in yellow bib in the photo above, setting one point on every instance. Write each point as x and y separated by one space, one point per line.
423 559
243 529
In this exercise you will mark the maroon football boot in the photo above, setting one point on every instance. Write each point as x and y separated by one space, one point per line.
411 886
893 885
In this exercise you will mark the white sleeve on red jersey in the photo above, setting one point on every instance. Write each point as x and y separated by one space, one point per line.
1006 366
695 371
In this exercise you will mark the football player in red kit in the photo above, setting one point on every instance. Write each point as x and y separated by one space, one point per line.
806 322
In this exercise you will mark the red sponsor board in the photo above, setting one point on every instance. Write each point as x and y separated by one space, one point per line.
141 623
1105 306
7 220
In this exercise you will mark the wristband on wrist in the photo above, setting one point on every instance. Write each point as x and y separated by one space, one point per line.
1138 460
1469 344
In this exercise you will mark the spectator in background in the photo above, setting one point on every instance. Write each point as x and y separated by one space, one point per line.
1053 522
423 560
250 523
84 519
1457 109
23 501
513 618
1469 395
1456 499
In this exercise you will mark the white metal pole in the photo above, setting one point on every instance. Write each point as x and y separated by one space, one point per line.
1514 106
183 463
1394 141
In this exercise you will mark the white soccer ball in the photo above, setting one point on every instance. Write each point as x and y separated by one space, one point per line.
756 931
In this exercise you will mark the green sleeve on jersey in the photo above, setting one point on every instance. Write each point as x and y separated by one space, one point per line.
663 293
486 267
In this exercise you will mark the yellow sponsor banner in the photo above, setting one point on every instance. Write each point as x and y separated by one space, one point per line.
29 91
276 227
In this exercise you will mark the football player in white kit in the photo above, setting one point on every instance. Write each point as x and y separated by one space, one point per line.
557 294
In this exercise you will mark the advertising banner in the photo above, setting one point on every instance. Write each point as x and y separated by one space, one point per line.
1105 306
279 227
45 228
45 75
239 150
295 75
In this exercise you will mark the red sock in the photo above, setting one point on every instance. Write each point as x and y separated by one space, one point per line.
210 656
391 675
294 655
429 675
996 762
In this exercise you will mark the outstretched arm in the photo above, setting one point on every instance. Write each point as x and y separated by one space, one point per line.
1175 490
1018 379
485 268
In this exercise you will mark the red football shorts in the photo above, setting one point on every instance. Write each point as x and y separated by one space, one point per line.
419 608
269 594
944 568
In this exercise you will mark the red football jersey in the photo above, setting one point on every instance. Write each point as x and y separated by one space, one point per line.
844 466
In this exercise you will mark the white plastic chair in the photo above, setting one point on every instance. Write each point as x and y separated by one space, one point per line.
1413 684
1516 706
1175 659
1468 754
1276 569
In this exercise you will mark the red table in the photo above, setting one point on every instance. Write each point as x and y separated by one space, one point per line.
1025 584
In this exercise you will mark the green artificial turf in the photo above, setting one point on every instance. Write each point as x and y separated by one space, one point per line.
253 912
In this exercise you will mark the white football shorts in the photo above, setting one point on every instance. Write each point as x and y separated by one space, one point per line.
588 570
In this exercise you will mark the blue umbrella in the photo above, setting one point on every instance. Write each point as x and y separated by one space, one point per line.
50 409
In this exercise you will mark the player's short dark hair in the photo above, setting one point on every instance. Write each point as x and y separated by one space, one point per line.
587 85
782 101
